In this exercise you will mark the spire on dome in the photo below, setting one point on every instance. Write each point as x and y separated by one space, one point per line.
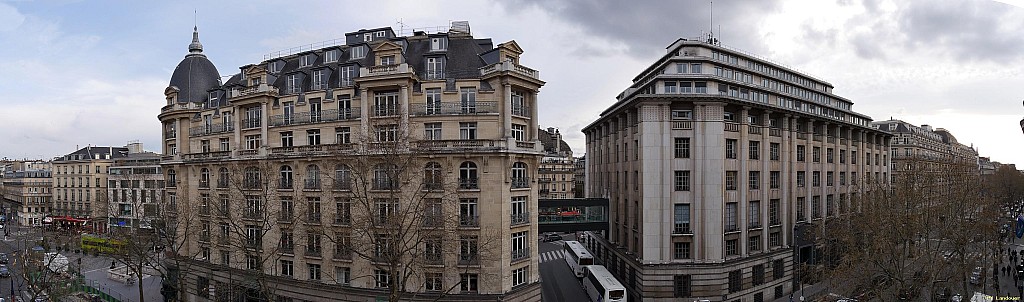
195 47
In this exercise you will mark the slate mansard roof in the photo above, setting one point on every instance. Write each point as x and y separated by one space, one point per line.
196 77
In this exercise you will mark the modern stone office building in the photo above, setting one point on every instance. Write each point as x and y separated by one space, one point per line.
289 151
710 159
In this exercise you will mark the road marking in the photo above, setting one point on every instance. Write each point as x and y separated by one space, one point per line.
552 255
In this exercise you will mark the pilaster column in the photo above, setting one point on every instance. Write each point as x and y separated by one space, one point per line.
534 118
506 111
264 119
404 111
364 122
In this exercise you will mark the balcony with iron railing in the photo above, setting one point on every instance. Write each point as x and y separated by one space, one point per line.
469 220
204 210
520 182
285 184
313 218
286 216
342 185
252 184
211 129
469 184
222 183
250 90
682 229
385 110
520 218
204 184
303 118
207 155
523 111
453 108
249 123
433 258
311 184
313 251
469 259
433 221
456 145
342 253
342 219
287 248
520 254
385 184
252 214
322 149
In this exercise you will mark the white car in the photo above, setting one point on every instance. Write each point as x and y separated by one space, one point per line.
976 275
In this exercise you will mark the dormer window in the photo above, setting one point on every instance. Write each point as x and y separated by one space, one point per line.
435 68
293 83
331 56
254 81
275 66
387 60
367 37
438 43
212 100
357 52
319 79
306 60
379 33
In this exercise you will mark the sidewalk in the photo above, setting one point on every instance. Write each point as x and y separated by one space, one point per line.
119 290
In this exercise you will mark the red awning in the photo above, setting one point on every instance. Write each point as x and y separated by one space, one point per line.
569 213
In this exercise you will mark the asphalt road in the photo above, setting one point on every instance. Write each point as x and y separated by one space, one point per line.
558 283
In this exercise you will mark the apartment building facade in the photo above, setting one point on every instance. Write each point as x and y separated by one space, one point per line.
28 195
135 190
80 186
929 158
305 146
555 175
710 160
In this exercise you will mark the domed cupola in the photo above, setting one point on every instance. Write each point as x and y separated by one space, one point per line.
195 74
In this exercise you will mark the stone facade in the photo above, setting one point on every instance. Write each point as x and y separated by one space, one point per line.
709 160
293 144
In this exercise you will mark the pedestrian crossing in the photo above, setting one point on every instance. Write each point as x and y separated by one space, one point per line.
552 255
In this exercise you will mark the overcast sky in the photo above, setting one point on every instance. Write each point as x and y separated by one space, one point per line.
94 72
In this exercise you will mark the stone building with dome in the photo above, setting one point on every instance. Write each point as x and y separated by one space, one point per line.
300 167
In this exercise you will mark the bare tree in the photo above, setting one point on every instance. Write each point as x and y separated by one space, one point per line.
402 214
921 233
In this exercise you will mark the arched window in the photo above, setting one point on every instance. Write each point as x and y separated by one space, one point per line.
312 177
342 177
467 176
385 177
432 176
519 176
252 178
223 177
286 178
172 178
204 178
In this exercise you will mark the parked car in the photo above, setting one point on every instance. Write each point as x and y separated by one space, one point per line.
552 237
4 272
3 258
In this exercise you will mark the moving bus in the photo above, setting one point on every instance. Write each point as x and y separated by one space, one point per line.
601 286
92 244
577 257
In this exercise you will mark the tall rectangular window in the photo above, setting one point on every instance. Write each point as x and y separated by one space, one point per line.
252 142
432 131
829 155
773 151
293 84
816 178
467 130
681 250
754 180
347 74
730 148
801 178
320 79
681 284
801 206
815 207
519 132
774 179
435 68
385 103
343 135
467 96
433 101
817 154
682 180
730 217
682 147
773 212
313 137
800 152
681 218
730 180
732 247
754 212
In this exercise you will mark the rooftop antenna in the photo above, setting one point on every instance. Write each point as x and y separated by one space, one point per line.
401 27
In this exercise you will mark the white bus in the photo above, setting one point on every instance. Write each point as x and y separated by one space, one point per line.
577 257
601 286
